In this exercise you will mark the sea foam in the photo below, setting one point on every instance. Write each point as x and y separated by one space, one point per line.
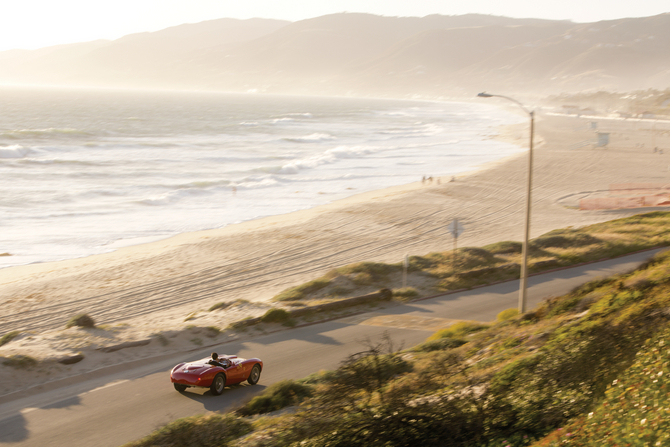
87 177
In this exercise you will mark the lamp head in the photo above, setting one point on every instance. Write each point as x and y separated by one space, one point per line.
485 95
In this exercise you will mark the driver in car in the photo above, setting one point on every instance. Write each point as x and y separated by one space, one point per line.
224 363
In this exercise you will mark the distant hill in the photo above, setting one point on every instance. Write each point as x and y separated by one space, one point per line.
364 54
135 60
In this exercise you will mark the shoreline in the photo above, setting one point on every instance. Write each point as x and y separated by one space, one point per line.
154 247
171 242
186 243
296 177
165 287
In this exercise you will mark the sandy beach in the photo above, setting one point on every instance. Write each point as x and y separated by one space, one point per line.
146 289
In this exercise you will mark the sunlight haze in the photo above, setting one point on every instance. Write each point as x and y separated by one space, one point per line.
31 24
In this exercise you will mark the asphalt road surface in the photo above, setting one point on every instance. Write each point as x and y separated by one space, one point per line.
110 409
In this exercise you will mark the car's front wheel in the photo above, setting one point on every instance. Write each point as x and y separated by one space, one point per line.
179 387
218 384
255 375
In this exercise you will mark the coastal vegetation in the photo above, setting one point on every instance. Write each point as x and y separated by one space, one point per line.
9 336
586 368
223 305
275 315
475 266
81 320
19 361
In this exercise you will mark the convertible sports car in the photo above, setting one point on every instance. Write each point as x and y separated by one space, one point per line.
205 373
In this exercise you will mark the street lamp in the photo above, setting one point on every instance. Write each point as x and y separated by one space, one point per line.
526 230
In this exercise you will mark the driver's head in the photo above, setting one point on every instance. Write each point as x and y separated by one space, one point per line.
215 356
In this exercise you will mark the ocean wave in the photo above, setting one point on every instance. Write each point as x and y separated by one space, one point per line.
176 171
50 132
171 197
403 113
416 130
275 179
310 138
14 151
57 161
257 183
329 156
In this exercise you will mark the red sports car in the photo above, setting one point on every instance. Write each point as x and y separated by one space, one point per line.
216 373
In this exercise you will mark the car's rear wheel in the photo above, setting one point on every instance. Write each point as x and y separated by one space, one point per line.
218 384
179 387
255 375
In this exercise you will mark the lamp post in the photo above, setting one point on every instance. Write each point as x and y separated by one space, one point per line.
526 228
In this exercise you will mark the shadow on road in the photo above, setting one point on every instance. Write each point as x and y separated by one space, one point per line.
308 333
69 402
232 397
13 429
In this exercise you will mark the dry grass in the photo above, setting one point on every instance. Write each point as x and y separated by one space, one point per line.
474 266
508 383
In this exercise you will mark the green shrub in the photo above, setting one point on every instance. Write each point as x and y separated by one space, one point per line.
19 361
8 337
212 430
564 238
219 306
277 396
367 371
375 269
457 330
439 344
362 279
504 247
405 292
275 315
512 342
81 320
633 403
468 258
507 314
301 291
322 376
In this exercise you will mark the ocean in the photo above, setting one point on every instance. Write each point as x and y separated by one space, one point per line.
89 171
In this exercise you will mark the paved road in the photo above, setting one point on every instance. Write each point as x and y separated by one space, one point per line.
117 408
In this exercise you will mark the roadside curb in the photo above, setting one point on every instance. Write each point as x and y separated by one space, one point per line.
451 292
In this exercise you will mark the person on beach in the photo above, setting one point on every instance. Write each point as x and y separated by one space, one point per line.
215 361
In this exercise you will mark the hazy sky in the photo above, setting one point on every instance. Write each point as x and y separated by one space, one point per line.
38 23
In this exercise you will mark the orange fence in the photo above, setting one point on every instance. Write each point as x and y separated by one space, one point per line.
608 203
639 188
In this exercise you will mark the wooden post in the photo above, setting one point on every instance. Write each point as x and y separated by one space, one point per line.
405 265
